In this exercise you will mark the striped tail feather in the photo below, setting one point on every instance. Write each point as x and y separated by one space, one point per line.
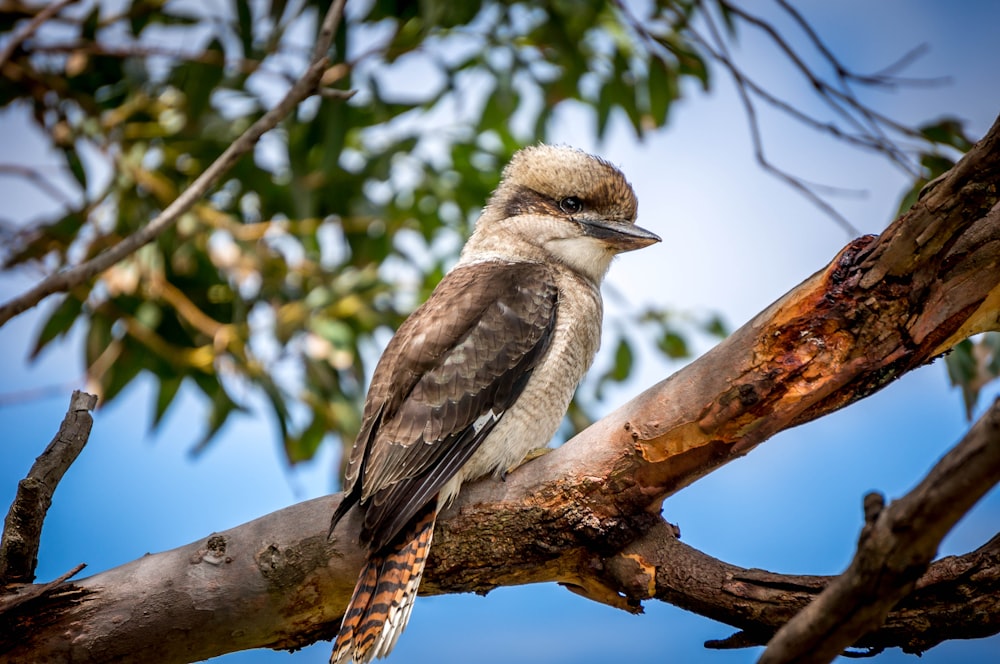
384 595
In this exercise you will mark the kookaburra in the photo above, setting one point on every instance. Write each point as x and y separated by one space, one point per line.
483 372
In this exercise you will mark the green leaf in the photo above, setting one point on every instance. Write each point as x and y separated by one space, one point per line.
278 405
303 447
75 166
99 337
623 361
605 102
168 388
244 29
198 80
222 407
673 345
716 327
947 131
58 323
973 364
662 90
620 370
88 29
961 371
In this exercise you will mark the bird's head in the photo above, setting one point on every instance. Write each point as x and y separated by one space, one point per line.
560 203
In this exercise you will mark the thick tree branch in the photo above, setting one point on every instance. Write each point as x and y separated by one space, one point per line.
884 306
958 596
22 529
301 89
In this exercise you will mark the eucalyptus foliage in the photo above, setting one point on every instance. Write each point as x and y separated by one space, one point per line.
284 281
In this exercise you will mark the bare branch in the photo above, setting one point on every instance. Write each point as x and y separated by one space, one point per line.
35 177
873 120
22 528
885 76
28 395
29 29
896 546
303 88
758 144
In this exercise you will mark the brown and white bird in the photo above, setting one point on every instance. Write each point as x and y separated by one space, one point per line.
483 372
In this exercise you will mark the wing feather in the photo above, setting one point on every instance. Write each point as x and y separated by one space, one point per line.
466 353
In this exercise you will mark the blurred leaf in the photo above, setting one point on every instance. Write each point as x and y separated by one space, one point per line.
303 447
673 345
75 166
165 394
716 327
972 364
662 91
947 131
90 24
244 25
98 339
222 406
127 365
199 80
58 323
620 370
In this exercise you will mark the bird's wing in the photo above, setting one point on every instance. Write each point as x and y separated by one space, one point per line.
446 378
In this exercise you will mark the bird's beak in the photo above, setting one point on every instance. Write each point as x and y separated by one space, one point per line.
617 233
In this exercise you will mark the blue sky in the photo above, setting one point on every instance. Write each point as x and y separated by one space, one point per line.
735 240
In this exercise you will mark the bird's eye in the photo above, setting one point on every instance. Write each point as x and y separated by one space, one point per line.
571 205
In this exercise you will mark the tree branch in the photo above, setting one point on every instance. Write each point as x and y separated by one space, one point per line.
303 88
957 597
896 546
22 529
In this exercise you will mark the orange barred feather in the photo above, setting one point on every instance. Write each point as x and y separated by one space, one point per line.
384 594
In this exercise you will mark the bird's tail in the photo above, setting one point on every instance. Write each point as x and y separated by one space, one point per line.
383 597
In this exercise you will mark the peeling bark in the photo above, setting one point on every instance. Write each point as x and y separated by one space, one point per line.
587 514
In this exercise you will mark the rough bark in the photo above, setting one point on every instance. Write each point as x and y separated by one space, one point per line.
883 306
22 529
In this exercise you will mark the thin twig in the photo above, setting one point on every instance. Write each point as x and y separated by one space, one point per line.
8 399
36 178
303 88
896 546
29 29
758 143
869 121
884 77
208 57
22 529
